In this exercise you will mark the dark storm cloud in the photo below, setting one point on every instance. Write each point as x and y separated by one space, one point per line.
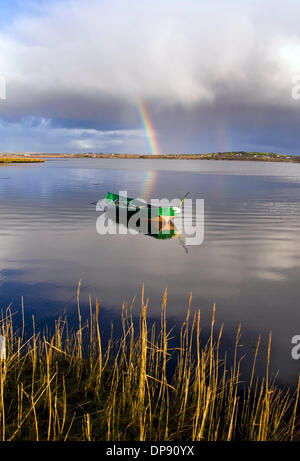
213 76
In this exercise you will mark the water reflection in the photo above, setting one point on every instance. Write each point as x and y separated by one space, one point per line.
249 263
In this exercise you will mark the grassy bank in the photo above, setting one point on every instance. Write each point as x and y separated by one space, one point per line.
21 160
67 386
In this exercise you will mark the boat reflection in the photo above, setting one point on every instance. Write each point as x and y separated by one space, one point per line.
158 229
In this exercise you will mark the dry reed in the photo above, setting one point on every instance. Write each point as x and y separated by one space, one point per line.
67 386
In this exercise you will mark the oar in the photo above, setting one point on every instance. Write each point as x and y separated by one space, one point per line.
182 243
184 198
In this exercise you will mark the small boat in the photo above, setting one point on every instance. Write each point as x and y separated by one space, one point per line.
147 211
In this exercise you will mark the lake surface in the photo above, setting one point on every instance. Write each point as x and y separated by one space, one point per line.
248 263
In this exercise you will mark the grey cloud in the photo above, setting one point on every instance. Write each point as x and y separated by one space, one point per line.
196 65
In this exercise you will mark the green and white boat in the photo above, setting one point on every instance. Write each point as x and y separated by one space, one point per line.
147 211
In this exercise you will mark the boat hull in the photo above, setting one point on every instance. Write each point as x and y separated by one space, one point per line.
164 213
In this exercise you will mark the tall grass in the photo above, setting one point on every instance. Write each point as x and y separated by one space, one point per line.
65 385
18 159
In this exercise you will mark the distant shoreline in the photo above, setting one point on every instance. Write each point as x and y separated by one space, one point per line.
238 156
20 159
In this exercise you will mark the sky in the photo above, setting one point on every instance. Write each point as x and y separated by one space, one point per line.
210 76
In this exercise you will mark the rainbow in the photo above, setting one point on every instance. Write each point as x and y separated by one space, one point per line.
153 145
149 184
223 135
148 127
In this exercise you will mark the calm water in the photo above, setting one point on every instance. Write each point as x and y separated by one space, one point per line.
248 264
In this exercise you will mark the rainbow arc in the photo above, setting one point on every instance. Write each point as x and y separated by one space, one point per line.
153 146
